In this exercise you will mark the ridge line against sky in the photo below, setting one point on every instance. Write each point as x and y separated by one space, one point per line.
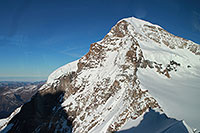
37 37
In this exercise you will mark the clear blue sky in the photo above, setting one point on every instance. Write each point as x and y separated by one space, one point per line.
38 36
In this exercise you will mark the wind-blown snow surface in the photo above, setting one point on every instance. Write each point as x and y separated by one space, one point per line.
137 66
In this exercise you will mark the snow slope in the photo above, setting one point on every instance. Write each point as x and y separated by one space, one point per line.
178 96
155 122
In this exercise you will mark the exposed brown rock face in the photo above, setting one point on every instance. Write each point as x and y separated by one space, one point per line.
170 40
120 30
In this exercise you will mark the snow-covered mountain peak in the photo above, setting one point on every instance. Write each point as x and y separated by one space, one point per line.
139 22
110 88
134 32
146 31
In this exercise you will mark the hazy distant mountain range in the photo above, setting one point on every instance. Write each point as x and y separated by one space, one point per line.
14 94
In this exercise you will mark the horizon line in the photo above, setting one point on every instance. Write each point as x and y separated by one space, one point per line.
23 79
